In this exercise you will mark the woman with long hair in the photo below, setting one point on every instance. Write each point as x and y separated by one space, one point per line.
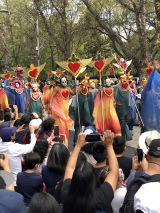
43 202
79 192
53 172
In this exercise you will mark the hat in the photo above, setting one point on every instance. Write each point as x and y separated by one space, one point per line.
147 198
99 152
7 132
146 138
138 96
11 202
89 129
36 123
6 179
154 148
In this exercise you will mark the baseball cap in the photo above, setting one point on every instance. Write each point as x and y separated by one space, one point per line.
146 138
36 123
154 148
11 202
99 151
147 198
6 179
89 129
7 132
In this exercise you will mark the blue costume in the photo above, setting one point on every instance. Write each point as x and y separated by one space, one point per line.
150 99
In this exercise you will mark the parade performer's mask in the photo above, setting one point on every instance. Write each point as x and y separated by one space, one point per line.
17 85
108 82
34 87
93 86
124 84
1 85
64 82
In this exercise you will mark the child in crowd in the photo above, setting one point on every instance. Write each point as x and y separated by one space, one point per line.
29 182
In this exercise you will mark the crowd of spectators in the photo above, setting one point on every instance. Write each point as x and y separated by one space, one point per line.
39 173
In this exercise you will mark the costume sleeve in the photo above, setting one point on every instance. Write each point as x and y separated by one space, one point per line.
24 149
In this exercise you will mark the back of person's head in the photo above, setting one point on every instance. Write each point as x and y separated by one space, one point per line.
17 122
58 157
7 116
25 119
41 147
81 159
11 202
48 124
119 145
6 110
1 115
31 160
99 152
154 150
43 202
81 195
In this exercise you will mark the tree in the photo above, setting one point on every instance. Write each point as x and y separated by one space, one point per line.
134 35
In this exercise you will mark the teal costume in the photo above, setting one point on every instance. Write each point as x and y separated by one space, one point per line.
35 103
123 99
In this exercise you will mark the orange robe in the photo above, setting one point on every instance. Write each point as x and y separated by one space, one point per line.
104 112
3 99
60 110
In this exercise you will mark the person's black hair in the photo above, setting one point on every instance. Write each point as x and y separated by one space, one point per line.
7 116
57 139
1 115
43 202
81 195
25 119
58 158
41 147
81 159
48 124
119 144
17 122
6 110
31 159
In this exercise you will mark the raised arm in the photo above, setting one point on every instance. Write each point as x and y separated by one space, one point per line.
112 177
73 157
4 163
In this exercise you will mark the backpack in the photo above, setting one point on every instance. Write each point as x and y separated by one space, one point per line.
139 180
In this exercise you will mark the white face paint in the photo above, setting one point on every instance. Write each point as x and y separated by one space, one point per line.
17 85
34 87
93 85
85 83
108 82
64 82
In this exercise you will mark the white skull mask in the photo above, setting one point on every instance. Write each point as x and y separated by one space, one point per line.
34 87
108 82
64 82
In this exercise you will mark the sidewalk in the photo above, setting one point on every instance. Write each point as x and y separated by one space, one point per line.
136 133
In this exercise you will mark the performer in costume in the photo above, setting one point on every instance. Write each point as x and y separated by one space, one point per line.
150 100
3 96
35 102
104 111
19 95
82 108
132 112
122 97
59 103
